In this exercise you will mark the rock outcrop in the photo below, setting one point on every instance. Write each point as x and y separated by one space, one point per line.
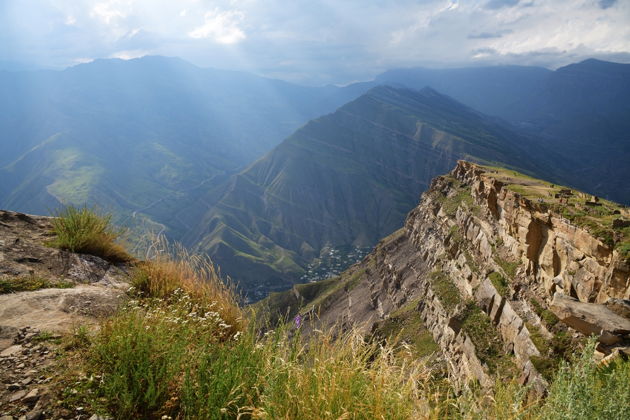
72 290
486 250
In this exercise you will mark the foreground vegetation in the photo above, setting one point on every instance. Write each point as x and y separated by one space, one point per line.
30 283
186 355
182 347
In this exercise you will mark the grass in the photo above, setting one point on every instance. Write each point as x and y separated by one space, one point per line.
84 230
472 263
500 283
446 291
461 196
30 283
165 358
170 359
405 326
488 343
548 317
174 271
509 267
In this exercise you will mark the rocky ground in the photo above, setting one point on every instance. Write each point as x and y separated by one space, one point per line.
35 324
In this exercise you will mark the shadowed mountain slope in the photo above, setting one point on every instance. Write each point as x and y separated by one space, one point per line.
126 134
580 110
346 178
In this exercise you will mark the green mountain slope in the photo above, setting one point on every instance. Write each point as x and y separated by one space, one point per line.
126 135
346 178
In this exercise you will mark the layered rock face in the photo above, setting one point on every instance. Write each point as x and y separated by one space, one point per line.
495 263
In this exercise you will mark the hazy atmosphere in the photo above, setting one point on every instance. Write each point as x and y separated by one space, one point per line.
315 41
315 209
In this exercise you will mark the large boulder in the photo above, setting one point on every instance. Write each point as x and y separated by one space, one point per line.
591 318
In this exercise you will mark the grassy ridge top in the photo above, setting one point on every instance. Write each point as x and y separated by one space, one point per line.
606 220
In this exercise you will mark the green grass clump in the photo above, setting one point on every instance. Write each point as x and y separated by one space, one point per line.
30 283
451 204
548 317
159 358
509 267
405 326
446 291
471 263
500 283
488 343
85 231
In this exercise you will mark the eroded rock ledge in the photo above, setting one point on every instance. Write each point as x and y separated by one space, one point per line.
486 250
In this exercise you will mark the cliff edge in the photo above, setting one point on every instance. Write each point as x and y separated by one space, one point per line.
507 272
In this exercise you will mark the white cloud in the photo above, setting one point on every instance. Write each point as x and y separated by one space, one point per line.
221 26
318 40
111 10
130 54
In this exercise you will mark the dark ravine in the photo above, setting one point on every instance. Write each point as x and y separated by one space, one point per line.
504 280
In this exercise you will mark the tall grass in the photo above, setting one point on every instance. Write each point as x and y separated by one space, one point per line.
174 268
181 349
86 231
338 377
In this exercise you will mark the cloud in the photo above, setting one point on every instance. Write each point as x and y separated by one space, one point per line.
221 26
316 41
129 55
605 4
497 4
490 35
108 11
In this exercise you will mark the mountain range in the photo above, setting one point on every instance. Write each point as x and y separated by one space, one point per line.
349 178
263 175
126 134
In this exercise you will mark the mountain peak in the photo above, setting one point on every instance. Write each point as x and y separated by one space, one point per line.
593 65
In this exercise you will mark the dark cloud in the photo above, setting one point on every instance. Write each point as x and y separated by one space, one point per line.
490 35
497 4
605 4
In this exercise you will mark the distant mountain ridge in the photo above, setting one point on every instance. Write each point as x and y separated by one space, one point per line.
126 134
581 110
349 177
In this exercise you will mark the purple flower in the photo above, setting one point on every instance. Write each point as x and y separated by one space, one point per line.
298 321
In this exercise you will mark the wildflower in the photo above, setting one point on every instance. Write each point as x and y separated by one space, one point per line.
298 321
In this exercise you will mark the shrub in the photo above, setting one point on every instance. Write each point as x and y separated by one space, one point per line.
583 390
446 291
500 283
85 231
488 343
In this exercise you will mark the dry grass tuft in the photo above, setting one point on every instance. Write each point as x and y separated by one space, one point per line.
86 231
174 268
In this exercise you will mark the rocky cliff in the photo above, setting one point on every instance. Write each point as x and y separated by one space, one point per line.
45 292
507 272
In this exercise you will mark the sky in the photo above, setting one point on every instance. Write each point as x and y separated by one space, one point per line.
315 41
